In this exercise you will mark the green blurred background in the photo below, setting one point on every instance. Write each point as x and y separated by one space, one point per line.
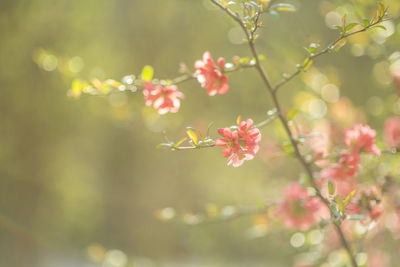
80 180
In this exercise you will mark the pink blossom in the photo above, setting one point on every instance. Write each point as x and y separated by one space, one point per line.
240 144
299 210
347 167
163 99
361 137
230 142
392 132
211 77
367 202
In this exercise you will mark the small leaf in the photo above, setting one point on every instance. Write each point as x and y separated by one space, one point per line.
284 7
192 135
339 201
344 22
340 29
164 145
312 47
180 142
358 217
331 188
381 9
381 27
350 26
201 136
349 197
291 114
239 119
366 23
339 44
288 148
147 73
376 17
307 63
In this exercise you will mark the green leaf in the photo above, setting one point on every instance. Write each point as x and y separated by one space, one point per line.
284 7
381 9
381 27
180 142
331 188
192 135
291 114
307 63
288 148
349 197
350 26
164 145
339 44
147 73
366 23
312 48
339 201
340 29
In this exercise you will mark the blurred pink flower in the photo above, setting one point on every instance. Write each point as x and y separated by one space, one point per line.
209 76
347 167
163 99
392 132
241 144
299 210
361 137
376 258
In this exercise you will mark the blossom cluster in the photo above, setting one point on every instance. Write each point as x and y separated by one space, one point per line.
163 98
166 98
211 77
299 210
240 143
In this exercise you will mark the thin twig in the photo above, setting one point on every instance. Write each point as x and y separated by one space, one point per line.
324 51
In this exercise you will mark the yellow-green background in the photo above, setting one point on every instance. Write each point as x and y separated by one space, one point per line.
74 173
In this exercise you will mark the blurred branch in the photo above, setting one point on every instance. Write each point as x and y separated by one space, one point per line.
266 122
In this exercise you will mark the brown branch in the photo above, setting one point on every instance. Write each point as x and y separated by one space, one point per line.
272 90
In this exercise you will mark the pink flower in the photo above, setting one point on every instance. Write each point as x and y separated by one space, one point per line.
164 99
230 142
209 76
361 137
392 132
299 210
240 144
347 167
251 136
